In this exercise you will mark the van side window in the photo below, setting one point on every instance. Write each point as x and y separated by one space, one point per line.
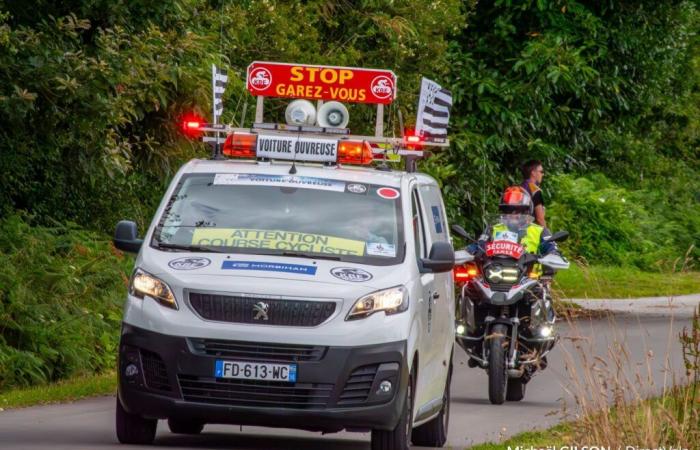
435 211
417 221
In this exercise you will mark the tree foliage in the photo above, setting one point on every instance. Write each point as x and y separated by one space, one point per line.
91 91
609 87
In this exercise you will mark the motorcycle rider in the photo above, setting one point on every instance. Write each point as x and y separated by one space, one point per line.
516 225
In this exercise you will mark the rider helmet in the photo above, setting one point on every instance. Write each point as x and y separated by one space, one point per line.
516 200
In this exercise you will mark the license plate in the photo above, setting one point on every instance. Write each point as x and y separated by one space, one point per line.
243 370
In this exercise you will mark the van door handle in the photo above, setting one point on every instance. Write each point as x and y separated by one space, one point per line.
436 295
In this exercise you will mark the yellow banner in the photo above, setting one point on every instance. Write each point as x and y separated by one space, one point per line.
277 240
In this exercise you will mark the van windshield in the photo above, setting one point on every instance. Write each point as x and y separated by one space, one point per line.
284 215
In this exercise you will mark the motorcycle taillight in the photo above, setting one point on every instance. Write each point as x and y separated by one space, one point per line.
465 272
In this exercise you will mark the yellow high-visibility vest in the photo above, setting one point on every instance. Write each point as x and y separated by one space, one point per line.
531 242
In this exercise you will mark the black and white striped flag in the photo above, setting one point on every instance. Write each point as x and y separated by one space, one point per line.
433 112
219 80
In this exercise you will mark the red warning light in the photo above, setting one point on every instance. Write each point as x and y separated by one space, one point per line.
192 125
411 140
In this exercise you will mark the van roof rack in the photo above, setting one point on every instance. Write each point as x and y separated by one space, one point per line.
313 133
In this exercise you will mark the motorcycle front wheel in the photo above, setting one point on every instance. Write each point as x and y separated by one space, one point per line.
498 351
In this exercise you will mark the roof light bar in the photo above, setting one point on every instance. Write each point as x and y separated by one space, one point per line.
355 152
240 145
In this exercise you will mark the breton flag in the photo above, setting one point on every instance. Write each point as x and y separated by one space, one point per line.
219 80
433 112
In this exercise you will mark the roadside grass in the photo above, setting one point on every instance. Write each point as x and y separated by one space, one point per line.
629 422
617 401
623 282
616 404
63 391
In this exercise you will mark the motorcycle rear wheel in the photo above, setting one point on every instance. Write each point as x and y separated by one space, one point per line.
516 390
498 377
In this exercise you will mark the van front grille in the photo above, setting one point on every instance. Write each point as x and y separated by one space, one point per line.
261 311
257 350
255 393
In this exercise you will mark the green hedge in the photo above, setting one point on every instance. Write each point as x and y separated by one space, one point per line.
61 293
612 225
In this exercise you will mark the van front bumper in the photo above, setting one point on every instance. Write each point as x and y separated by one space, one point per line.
162 376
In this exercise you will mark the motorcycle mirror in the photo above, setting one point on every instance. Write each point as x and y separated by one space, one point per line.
559 236
459 231
530 258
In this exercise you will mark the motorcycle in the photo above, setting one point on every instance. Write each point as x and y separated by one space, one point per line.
505 315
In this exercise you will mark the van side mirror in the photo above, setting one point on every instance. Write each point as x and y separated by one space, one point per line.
440 259
559 236
461 232
125 237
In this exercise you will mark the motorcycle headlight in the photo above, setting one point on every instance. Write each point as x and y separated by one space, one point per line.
143 283
499 274
391 301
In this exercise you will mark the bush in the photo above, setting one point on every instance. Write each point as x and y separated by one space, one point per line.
612 225
601 219
61 291
608 87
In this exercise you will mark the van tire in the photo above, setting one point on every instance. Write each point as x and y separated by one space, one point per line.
498 378
434 432
185 427
399 437
134 429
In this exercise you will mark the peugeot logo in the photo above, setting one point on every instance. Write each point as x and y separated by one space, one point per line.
260 310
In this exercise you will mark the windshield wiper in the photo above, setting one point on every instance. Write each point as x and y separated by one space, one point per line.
308 255
191 248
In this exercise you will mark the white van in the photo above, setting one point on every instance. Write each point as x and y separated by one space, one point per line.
290 295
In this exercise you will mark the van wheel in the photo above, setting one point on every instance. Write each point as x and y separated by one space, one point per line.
134 429
185 427
434 433
516 390
399 437
498 378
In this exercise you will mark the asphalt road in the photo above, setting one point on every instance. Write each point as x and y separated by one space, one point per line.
650 340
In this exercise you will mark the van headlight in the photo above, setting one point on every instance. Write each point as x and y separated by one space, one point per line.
391 301
143 283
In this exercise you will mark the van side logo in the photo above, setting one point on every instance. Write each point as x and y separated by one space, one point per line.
351 274
357 188
260 310
189 263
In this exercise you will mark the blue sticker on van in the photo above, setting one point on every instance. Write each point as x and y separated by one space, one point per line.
269 267
437 219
